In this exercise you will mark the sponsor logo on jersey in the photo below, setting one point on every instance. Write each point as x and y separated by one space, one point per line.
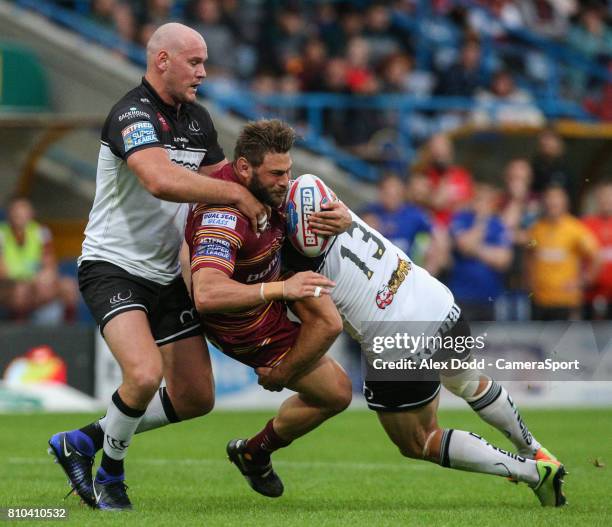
219 219
164 124
214 247
139 133
386 294
194 126
145 100
120 297
307 200
188 315
180 139
258 276
133 112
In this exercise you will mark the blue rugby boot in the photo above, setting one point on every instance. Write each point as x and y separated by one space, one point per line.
110 492
74 452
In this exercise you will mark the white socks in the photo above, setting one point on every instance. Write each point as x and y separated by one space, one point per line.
160 412
495 406
467 451
120 424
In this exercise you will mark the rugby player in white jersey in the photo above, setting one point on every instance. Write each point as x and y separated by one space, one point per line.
380 291
157 146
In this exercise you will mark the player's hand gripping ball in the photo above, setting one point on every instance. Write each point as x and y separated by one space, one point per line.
307 194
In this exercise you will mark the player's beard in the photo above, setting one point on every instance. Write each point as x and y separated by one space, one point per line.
263 194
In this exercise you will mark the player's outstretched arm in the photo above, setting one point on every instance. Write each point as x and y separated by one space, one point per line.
168 181
321 325
215 292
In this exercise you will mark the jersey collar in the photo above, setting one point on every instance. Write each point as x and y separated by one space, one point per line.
171 109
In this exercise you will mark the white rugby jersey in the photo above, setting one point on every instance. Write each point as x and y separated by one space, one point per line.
127 225
376 282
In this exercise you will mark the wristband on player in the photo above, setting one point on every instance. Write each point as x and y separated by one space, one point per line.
276 291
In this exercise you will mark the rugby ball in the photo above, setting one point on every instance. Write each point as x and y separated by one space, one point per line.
306 195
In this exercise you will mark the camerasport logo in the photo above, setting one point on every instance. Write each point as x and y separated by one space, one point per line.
386 294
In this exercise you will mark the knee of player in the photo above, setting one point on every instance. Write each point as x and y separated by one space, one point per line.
420 443
195 407
342 395
198 405
467 383
145 380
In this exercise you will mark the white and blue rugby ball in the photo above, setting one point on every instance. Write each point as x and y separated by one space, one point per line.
306 195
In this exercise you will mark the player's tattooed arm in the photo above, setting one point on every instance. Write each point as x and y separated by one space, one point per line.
334 218
321 325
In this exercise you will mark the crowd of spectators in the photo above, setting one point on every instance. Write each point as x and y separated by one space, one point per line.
31 286
443 47
508 253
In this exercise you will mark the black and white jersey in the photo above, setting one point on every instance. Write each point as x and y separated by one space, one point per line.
127 225
377 283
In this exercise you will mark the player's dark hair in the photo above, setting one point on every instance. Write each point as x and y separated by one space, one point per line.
262 137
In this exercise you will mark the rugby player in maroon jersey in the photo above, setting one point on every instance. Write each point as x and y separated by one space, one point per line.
242 299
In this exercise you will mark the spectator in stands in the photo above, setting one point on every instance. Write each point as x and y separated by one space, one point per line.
518 210
156 12
505 103
313 66
28 266
495 19
562 259
117 16
550 166
395 72
451 184
362 124
382 37
549 18
598 298
336 123
359 75
407 225
592 37
419 190
280 47
599 101
337 36
464 77
220 42
482 252
264 83
519 206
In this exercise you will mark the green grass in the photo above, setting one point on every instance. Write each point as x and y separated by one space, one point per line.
345 473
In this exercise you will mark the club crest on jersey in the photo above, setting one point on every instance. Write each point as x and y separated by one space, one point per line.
139 133
220 219
308 205
386 294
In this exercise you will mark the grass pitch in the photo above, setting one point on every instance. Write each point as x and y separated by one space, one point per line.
345 473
